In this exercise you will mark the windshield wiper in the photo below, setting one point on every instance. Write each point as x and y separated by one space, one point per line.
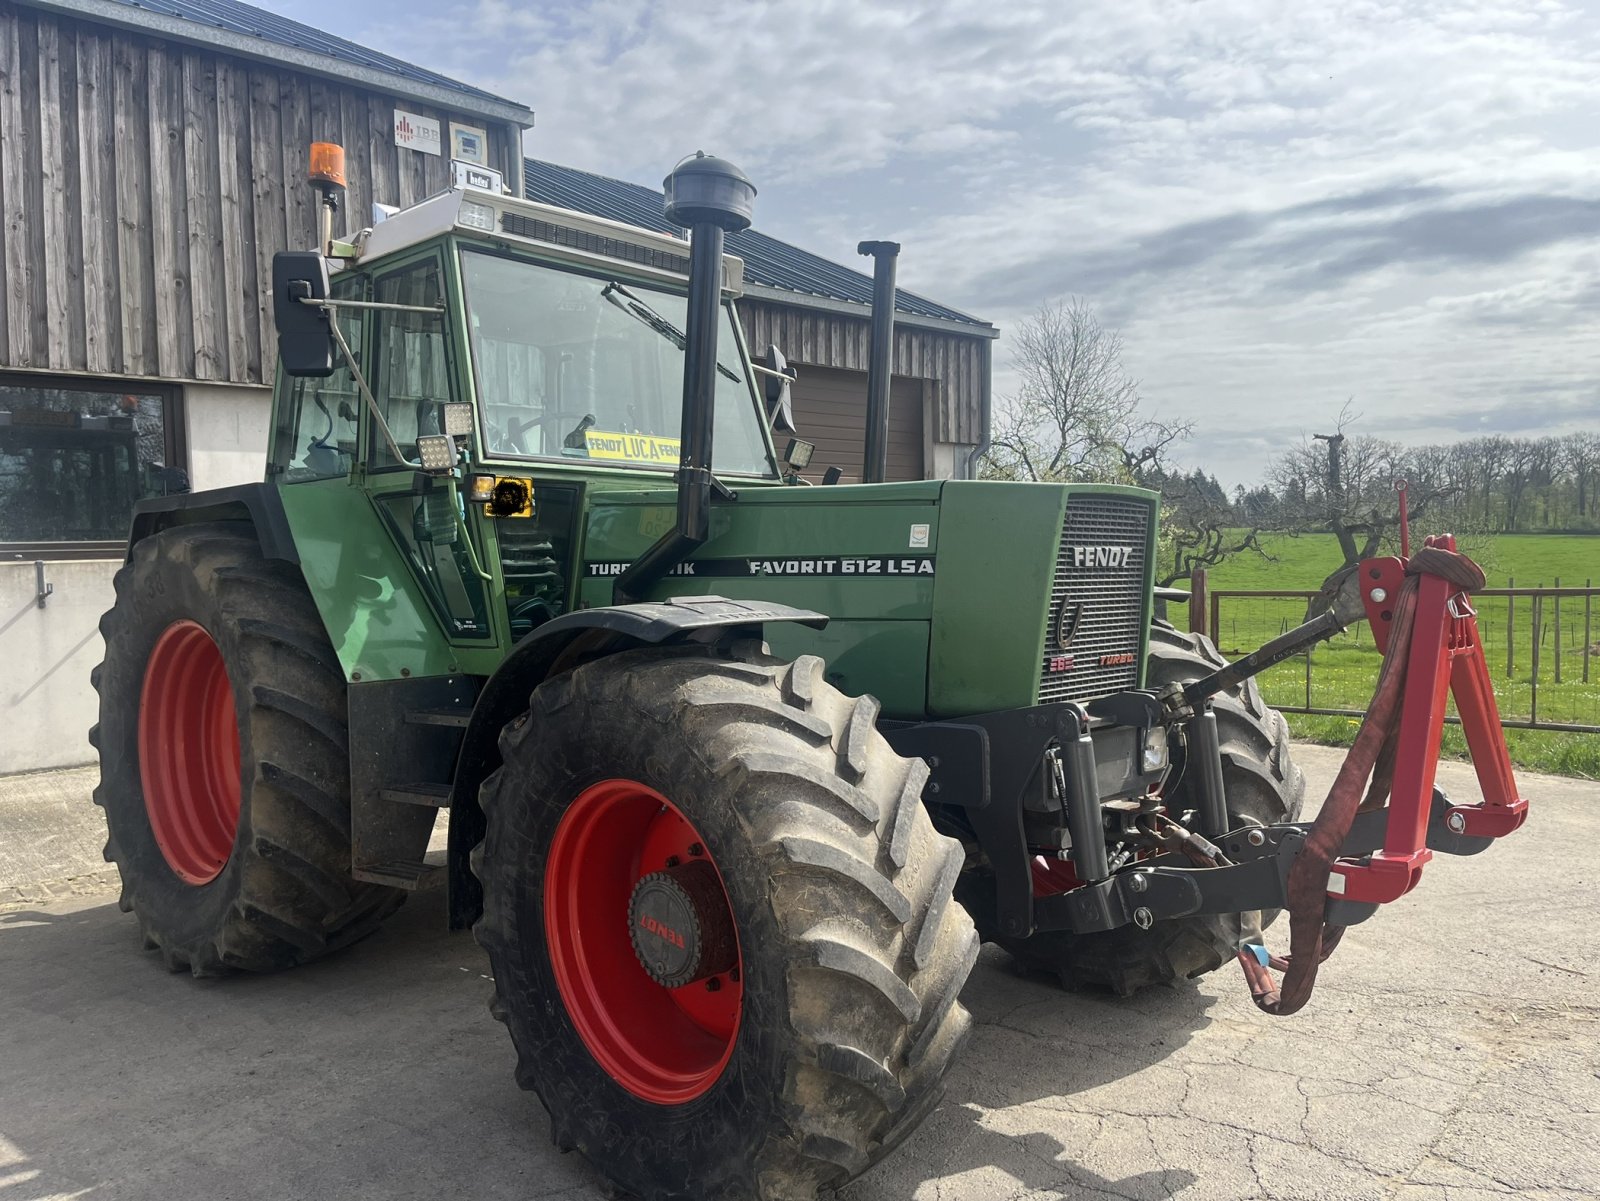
640 311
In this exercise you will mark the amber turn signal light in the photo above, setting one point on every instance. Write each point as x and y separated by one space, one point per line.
327 163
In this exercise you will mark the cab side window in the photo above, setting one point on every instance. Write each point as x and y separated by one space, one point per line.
315 438
411 368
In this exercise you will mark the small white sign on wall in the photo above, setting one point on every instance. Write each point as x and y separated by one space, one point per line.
416 133
469 144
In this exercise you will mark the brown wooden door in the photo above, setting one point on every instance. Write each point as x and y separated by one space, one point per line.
830 409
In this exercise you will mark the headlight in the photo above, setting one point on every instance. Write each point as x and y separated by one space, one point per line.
437 452
476 216
1155 749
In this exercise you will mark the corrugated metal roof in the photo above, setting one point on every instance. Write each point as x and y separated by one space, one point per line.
766 260
250 21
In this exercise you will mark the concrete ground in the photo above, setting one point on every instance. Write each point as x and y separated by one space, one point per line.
1452 1052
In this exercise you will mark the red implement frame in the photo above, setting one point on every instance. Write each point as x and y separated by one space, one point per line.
1446 656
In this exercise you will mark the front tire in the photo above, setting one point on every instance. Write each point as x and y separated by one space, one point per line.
830 1029
224 765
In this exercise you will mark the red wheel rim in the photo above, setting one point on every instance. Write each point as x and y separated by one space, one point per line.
663 1045
189 752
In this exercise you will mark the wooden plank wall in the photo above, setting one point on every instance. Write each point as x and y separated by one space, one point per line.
146 185
956 365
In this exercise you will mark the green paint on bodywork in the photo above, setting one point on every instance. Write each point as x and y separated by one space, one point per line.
997 555
877 638
376 615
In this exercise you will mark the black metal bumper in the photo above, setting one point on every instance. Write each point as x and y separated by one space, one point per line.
993 767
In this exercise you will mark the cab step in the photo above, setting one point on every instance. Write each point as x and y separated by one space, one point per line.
435 795
456 719
401 873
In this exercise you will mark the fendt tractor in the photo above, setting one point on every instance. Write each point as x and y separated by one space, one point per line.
739 770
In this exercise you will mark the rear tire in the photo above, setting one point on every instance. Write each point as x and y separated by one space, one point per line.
851 950
1261 783
231 829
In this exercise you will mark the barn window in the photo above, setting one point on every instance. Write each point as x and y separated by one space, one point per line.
75 456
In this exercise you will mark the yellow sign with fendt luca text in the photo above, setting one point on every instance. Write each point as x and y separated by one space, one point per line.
632 448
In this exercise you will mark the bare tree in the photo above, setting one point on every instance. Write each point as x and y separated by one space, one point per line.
1582 462
1344 485
1075 414
1200 528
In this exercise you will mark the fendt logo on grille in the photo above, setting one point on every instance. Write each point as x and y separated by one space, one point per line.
1099 556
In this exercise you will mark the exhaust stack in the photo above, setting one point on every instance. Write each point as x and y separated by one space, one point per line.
711 198
880 358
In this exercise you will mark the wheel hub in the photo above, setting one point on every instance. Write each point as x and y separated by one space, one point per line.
679 924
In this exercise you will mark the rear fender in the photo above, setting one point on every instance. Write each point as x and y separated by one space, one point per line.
258 504
560 645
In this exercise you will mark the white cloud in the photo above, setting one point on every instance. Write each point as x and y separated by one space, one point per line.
1281 204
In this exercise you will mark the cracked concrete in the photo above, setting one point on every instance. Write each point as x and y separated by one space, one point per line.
1452 1053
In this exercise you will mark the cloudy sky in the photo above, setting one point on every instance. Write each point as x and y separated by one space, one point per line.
1280 204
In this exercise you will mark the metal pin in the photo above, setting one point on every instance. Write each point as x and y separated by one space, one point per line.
1143 918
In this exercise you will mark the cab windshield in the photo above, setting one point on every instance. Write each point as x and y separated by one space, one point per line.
583 367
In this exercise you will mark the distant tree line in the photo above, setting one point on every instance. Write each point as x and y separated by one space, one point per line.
1493 484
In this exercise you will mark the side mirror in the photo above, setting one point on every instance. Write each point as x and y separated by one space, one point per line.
775 381
305 343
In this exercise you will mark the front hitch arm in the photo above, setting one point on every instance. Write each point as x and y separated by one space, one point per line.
1252 873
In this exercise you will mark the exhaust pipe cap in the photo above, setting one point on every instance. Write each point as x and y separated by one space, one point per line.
705 189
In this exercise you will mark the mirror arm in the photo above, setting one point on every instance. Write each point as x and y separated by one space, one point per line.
434 310
787 376
466 534
366 392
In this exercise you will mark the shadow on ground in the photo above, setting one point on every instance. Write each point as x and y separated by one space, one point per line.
379 1073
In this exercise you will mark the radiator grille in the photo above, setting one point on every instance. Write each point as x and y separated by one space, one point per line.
578 239
1112 600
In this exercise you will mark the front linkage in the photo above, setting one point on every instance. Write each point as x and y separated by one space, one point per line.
1330 873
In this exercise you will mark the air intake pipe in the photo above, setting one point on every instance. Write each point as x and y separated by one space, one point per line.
880 358
711 198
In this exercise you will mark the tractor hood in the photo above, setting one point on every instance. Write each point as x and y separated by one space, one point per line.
946 597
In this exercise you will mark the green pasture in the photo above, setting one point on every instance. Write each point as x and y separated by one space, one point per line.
1343 672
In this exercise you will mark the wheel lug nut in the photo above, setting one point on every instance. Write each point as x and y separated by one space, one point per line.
696 849
713 984
673 861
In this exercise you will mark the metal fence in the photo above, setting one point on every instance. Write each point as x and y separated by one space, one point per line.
1541 645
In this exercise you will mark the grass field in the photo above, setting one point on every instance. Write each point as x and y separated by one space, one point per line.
1343 672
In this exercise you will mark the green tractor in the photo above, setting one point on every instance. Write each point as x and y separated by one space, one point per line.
739 771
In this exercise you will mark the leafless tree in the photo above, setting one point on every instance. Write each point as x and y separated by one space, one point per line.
1076 413
1199 528
1581 460
1344 485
